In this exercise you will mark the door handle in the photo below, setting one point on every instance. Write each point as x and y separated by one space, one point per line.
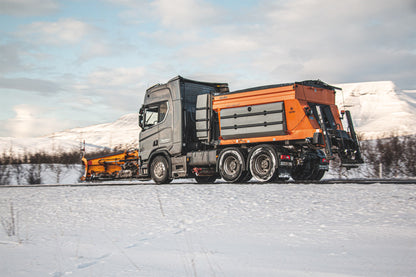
155 143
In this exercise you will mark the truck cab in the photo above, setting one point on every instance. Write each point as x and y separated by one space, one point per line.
168 122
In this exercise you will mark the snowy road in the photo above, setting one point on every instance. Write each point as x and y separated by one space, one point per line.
210 230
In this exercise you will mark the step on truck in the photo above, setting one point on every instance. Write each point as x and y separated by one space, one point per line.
201 130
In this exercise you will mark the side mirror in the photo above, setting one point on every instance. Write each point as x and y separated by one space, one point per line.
141 112
141 121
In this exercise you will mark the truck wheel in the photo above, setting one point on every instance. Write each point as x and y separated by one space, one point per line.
302 172
159 170
262 163
309 170
231 164
318 174
206 179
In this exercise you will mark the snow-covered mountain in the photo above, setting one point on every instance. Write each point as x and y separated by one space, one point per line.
123 132
379 109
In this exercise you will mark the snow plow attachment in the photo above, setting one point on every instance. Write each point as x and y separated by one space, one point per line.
117 165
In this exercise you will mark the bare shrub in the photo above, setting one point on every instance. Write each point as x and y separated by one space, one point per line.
34 174
393 155
4 175
10 224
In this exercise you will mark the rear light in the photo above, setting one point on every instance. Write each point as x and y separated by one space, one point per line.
324 161
286 157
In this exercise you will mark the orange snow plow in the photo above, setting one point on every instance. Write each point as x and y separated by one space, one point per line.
117 165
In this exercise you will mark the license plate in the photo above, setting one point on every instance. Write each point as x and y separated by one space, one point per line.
285 163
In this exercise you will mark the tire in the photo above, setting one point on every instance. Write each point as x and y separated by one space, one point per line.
159 170
304 172
309 170
247 177
263 163
318 175
231 165
205 179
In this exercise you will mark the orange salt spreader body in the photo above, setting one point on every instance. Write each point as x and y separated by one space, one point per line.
297 121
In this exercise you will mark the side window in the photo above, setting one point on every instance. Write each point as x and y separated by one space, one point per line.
163 109
154 114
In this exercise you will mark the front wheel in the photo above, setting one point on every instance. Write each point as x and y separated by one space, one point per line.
159 170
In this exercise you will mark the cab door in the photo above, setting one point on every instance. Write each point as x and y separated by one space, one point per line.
156 129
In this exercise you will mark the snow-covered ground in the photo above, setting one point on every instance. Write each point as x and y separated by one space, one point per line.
21 174
209 230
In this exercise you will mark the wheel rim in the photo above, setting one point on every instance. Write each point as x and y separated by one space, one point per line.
231 165
263 164
159 169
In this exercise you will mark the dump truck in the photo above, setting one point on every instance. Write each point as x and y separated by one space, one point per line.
201 130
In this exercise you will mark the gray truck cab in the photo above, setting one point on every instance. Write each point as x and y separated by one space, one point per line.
167 120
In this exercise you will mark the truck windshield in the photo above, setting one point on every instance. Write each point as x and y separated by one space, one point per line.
150 116
155 114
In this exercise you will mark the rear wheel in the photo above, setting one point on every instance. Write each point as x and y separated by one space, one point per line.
159 170
309 170
263 163
302 172
247 177
205 179
231 165
318 175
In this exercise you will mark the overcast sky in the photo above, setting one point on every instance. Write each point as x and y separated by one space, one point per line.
66 64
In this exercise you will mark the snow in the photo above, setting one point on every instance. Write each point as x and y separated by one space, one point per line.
186 229
124 131
18 174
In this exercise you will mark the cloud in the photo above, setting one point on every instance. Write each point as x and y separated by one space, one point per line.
28 7
299 39
95 48
185 13
114 90
28 84
62 32
121 77
10 58
29 121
